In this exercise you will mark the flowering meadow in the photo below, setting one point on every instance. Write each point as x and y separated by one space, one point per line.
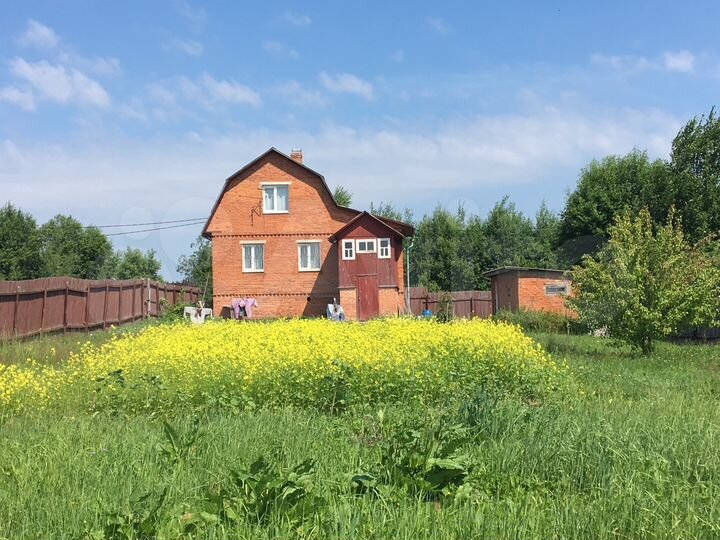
306 363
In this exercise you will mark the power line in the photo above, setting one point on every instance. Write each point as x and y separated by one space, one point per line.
143 224
153 229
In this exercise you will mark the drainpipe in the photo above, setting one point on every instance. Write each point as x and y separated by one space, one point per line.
407 265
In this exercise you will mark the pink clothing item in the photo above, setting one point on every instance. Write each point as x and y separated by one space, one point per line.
237 303
250 304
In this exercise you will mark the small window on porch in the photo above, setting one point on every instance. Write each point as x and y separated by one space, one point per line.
348 250
366 246
384 248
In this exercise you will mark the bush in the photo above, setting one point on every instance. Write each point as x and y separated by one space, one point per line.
542 321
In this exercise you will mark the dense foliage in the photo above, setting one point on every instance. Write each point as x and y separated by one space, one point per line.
646 284
64 247
311 363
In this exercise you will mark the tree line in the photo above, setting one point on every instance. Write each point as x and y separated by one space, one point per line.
64 247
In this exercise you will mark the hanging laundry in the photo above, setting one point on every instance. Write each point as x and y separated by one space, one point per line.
250 305
238 308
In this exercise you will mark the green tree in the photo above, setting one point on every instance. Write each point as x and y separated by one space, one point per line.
644 285
342 196
611 186
695 166
508 236
69 249
388 210
19 245
196 268
436 261
133 263
546 237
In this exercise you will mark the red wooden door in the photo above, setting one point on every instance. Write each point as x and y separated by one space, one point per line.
367 297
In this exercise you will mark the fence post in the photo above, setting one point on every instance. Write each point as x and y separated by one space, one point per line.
67 293
87 305
148 298
42 312
120 306
107 293
15 310
472 307
132 312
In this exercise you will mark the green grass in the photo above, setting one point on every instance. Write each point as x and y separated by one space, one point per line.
56 347
634 452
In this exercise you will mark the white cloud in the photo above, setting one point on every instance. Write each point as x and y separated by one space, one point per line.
297 94
347 83
398 56
195 16
437 24
622 62
674 61
297 19
681 61
278 49
22 98
229 91
39 36
101 66
189 47
59 84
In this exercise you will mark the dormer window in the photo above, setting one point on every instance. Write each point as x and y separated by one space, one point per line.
275 198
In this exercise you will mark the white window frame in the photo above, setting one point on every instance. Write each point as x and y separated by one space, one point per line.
306 242
274 186
560 289
348 242
243 245
381 248
359 240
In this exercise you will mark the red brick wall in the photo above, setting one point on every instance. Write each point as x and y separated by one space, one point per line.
532 295
281 290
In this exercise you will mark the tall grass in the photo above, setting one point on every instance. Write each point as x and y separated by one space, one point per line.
634 454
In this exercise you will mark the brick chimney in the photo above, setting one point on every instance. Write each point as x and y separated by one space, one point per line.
296 154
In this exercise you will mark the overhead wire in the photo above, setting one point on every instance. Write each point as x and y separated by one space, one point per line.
154 229
144 224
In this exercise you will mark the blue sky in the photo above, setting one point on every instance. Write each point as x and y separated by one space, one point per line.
130 112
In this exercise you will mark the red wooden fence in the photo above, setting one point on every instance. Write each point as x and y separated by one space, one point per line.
466 304
44 305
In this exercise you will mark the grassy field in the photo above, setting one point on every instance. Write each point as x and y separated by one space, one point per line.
632 452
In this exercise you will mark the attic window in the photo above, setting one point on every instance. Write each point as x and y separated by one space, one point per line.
275 198
556 290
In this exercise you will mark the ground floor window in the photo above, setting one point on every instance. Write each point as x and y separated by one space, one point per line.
253 257
309 256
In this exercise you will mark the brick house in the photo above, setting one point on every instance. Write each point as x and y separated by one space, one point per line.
279 236
533 289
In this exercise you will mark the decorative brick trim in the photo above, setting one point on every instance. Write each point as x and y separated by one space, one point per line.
259 295
272 235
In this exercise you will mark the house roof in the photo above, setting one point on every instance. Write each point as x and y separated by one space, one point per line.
505 269
340 232
393 224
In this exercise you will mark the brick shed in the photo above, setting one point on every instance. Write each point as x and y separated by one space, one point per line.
532 289
279 236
